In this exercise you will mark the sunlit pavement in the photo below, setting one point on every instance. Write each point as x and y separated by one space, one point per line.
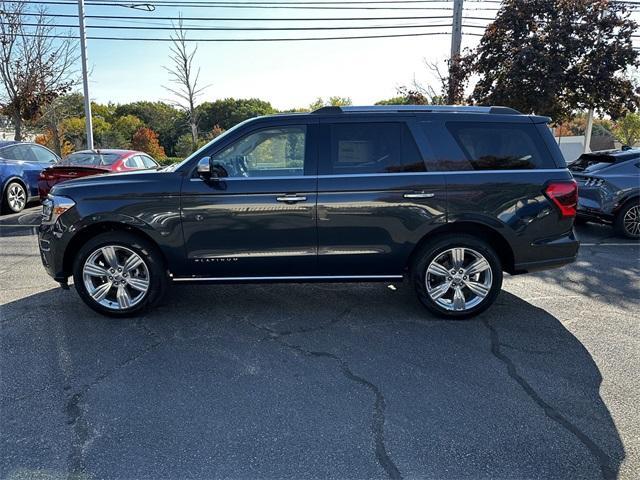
323 381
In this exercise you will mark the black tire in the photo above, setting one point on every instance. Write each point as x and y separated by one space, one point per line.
157 278
619 222
437 247
6 205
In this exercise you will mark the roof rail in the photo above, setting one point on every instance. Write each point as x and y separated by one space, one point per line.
417 108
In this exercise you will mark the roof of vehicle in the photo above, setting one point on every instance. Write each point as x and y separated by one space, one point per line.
5 143
417 108
117 151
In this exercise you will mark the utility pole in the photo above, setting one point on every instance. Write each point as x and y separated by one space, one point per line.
456 32
456 42
588 131
85 76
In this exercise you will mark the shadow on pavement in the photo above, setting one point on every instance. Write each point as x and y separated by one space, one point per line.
298 381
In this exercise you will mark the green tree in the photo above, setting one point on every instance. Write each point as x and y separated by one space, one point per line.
330 102
126 126
554 57
231 111
627 129
168 122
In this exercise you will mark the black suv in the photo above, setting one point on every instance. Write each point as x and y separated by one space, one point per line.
448 197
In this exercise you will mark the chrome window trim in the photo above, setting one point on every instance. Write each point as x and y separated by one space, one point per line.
368 175
313 277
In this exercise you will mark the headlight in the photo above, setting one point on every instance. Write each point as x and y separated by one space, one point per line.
53 207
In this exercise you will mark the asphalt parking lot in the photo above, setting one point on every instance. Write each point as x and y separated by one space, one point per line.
323 381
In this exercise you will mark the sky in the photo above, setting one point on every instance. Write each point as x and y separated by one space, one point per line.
287 74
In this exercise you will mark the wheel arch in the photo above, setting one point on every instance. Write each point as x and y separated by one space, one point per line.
15 178
478 230
91 231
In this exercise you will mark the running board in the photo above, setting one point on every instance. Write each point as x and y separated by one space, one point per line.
317 278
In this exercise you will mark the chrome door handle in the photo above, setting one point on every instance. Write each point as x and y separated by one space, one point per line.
419 195
291 199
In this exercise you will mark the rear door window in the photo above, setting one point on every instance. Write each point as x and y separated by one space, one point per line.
363 148
500 146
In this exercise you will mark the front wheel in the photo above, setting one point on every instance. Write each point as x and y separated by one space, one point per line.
119 274
457 277
15 197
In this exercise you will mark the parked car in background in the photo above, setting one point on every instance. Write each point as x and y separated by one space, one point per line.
20 166
93 162
446 197
609 189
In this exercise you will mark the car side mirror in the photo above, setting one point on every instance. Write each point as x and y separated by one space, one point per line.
204 168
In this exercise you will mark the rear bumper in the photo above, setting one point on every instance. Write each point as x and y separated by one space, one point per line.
550 253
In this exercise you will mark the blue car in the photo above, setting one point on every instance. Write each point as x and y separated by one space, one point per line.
20 166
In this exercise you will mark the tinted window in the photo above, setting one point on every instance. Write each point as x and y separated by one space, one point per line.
277 151
500 146
18 152
360 148
91 159
43 155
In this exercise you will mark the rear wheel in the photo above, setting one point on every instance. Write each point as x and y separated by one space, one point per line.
627 221
119 274
457 277
15 197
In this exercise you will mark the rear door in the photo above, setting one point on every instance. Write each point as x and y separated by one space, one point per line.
376 197
259 221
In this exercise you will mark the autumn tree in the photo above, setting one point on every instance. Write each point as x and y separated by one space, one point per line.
185 77
35 67
554 57
146 140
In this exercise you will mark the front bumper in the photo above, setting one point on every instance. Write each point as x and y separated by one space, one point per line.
53 241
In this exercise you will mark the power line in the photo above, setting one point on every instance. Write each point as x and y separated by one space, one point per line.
215 28
244 19
299 39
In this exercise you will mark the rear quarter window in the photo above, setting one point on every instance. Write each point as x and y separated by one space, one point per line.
499 146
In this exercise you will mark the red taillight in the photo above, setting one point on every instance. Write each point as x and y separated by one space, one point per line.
564 195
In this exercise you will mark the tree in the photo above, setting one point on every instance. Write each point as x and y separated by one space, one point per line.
61 108
182 74
330 102
627 129
146 140
230 111
127 126
35 67
164 119
554 57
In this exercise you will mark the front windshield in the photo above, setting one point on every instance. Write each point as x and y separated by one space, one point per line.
90 159
198 153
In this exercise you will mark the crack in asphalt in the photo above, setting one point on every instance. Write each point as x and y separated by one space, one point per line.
75 408
377 427
550 411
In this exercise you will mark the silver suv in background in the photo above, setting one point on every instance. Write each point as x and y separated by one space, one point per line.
609 189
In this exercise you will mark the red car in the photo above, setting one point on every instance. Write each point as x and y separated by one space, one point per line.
92 162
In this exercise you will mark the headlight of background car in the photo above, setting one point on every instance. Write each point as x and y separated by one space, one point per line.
53 207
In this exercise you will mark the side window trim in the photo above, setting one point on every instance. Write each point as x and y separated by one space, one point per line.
310 166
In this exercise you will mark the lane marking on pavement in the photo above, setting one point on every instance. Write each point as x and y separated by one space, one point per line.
609 245
15 226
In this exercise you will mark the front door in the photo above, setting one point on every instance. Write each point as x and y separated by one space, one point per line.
260 219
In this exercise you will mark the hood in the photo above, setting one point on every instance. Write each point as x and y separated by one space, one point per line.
111 184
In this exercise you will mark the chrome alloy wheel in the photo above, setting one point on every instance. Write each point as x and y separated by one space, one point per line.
16 197
116 277
631 221
458 279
